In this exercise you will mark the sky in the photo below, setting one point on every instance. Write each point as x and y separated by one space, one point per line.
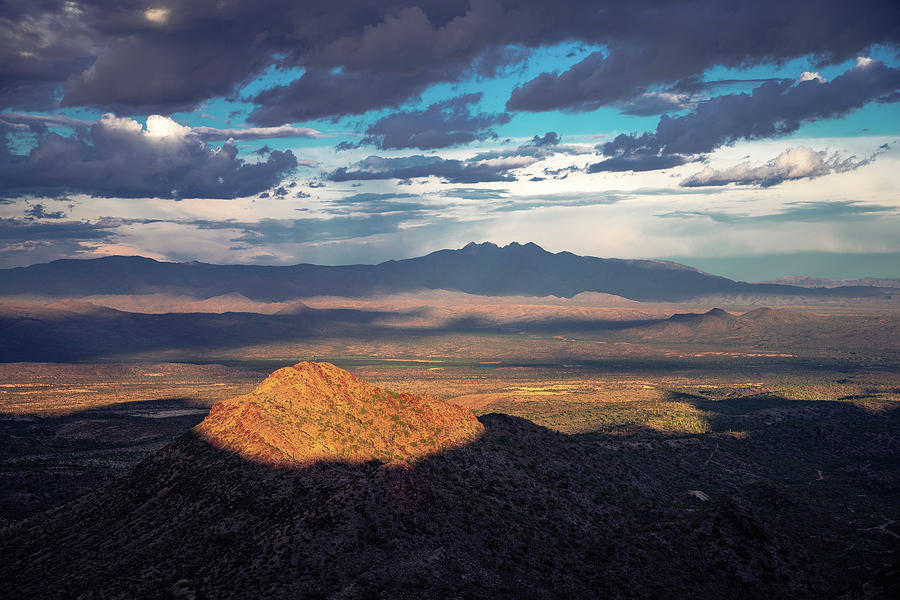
753 139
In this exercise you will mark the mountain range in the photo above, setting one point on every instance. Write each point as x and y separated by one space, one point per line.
483 269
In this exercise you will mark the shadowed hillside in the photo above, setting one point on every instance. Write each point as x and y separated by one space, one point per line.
70 331
717 323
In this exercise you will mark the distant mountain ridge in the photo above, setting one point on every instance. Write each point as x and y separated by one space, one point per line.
718 324
483 269
823 282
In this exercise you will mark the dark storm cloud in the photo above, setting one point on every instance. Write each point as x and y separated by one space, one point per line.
125 54
322 93
638 161
39 212
116 158
24 230
772 109
654 103
551 138
654 44
441 125
359 55
805 212
408 167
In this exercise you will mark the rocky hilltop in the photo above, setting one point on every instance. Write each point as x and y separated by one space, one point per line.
317 411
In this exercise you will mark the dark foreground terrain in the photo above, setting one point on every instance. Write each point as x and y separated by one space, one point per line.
648 480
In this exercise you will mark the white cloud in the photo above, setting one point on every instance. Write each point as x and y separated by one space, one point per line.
159 126
157 16
794 163
110 121
811 76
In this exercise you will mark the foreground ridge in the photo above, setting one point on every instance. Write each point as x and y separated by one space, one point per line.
315 411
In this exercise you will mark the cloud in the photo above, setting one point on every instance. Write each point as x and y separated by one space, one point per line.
356 56
255 133
288 231
805 212
382 62
39 212
559 200
41 122
116 157
551 138
487 166
19 230
322 93
793 163
408 167
372 203
773 109
38 241
533 151
473 193
595 81
653 103
639 161
649 46
206 134
442 124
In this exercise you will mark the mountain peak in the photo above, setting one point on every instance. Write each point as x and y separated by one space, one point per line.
474 246
315 411
482 246
527 245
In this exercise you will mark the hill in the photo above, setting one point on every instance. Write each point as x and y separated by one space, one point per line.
315 411
482 269
71 330
716 324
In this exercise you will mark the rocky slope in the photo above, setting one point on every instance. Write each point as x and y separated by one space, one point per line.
316 411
